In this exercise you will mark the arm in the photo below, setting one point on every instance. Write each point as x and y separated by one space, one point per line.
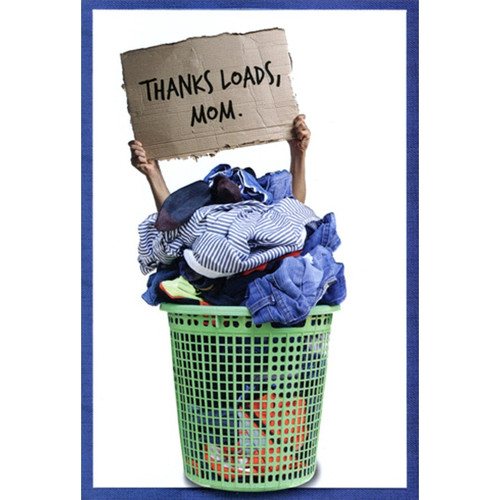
298 147
151 170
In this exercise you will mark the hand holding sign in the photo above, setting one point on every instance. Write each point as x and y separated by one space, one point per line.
301 135
140 161
151 170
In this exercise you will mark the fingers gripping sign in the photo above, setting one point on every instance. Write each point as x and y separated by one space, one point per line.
140 160
151 169
301 133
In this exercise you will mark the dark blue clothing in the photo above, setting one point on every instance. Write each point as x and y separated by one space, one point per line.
181 205
154 295
269 188
247 183
228 291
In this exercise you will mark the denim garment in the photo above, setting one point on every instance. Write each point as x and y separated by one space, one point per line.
337 292
249 186
279 184
322 233
287 295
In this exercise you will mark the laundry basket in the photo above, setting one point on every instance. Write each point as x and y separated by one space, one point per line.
249 397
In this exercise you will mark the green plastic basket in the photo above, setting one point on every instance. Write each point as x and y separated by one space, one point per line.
249 397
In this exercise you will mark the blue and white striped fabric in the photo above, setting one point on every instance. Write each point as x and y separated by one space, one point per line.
222 240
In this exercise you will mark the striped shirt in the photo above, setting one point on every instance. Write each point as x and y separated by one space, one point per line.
222 240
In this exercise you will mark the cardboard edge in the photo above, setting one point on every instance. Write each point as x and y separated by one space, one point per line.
124 54
213 152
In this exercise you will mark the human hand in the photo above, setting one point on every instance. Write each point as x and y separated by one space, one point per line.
301 134
140 160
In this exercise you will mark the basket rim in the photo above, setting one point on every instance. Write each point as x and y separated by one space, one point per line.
229 310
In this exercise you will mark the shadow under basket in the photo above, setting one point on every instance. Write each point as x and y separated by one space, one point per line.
249 397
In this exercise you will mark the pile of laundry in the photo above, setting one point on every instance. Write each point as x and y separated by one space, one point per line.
241 240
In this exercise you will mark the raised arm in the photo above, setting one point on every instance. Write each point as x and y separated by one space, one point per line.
151 170
298 147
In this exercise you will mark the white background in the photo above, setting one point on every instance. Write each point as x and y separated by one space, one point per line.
459 246
356 167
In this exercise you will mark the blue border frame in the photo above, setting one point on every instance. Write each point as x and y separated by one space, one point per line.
411 491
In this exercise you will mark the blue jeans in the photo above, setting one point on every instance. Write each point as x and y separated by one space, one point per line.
322 232
279 184
287 295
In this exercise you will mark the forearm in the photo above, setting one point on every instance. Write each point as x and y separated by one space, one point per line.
298 171
151 169
298 146
158 187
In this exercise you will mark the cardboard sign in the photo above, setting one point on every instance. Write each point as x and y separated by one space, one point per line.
201 95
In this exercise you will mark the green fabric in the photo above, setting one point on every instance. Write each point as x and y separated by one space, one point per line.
180 288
